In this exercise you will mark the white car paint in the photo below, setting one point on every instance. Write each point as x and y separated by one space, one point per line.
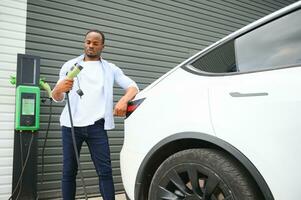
264 128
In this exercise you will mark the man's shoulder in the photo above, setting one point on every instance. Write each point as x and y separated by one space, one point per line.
108 63
111 65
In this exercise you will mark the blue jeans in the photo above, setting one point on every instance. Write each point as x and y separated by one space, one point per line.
97 140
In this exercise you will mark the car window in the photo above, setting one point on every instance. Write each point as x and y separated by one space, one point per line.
273 45
219 60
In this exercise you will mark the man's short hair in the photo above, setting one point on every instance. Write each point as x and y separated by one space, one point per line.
97 31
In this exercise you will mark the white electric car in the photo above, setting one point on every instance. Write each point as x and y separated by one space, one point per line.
224 124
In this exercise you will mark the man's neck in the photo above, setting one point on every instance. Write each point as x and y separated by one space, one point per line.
86 58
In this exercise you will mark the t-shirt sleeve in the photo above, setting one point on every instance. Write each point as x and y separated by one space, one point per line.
122 80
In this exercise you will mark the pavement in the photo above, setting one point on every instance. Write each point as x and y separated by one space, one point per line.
117 197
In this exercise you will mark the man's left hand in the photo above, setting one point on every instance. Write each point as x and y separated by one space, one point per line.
120 108
122 104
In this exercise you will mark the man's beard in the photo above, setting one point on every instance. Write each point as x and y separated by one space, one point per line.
93 55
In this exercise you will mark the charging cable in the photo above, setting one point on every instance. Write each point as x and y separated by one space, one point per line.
22 164
72 74
45 140
23 169
75 146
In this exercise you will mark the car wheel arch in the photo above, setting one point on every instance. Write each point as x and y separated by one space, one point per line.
188 140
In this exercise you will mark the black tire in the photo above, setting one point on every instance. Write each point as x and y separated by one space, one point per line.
202 174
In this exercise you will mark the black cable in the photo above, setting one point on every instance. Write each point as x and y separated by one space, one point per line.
45 140
23 168
22 164
75 146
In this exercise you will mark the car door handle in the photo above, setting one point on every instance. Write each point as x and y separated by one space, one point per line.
255 94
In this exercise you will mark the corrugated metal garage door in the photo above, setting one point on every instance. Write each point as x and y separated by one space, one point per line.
144 38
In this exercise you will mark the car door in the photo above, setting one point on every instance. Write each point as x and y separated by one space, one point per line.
259 115
258 109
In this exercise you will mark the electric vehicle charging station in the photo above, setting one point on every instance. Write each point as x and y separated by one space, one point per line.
24 185
27 123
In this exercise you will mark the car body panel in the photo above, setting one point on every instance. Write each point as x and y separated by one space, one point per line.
261 122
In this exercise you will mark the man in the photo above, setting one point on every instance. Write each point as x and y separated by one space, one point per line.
92 112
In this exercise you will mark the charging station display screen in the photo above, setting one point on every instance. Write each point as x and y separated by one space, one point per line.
28 106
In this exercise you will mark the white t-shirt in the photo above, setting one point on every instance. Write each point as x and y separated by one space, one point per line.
90 107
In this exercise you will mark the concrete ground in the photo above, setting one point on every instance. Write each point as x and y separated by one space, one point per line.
117 197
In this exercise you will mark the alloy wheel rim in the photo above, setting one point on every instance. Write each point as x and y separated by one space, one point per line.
192 181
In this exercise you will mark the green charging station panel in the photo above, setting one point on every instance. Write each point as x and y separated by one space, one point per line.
27 108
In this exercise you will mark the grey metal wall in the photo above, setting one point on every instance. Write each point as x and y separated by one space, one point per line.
144 38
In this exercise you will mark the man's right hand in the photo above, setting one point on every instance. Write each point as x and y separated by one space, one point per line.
62 87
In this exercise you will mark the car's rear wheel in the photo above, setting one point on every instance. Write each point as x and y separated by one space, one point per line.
202 174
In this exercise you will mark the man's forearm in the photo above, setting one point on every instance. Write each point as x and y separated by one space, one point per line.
129 94
57 95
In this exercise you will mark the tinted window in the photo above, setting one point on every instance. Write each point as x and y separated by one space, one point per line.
273 45
219 60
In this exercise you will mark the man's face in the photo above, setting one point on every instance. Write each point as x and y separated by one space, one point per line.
93 45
